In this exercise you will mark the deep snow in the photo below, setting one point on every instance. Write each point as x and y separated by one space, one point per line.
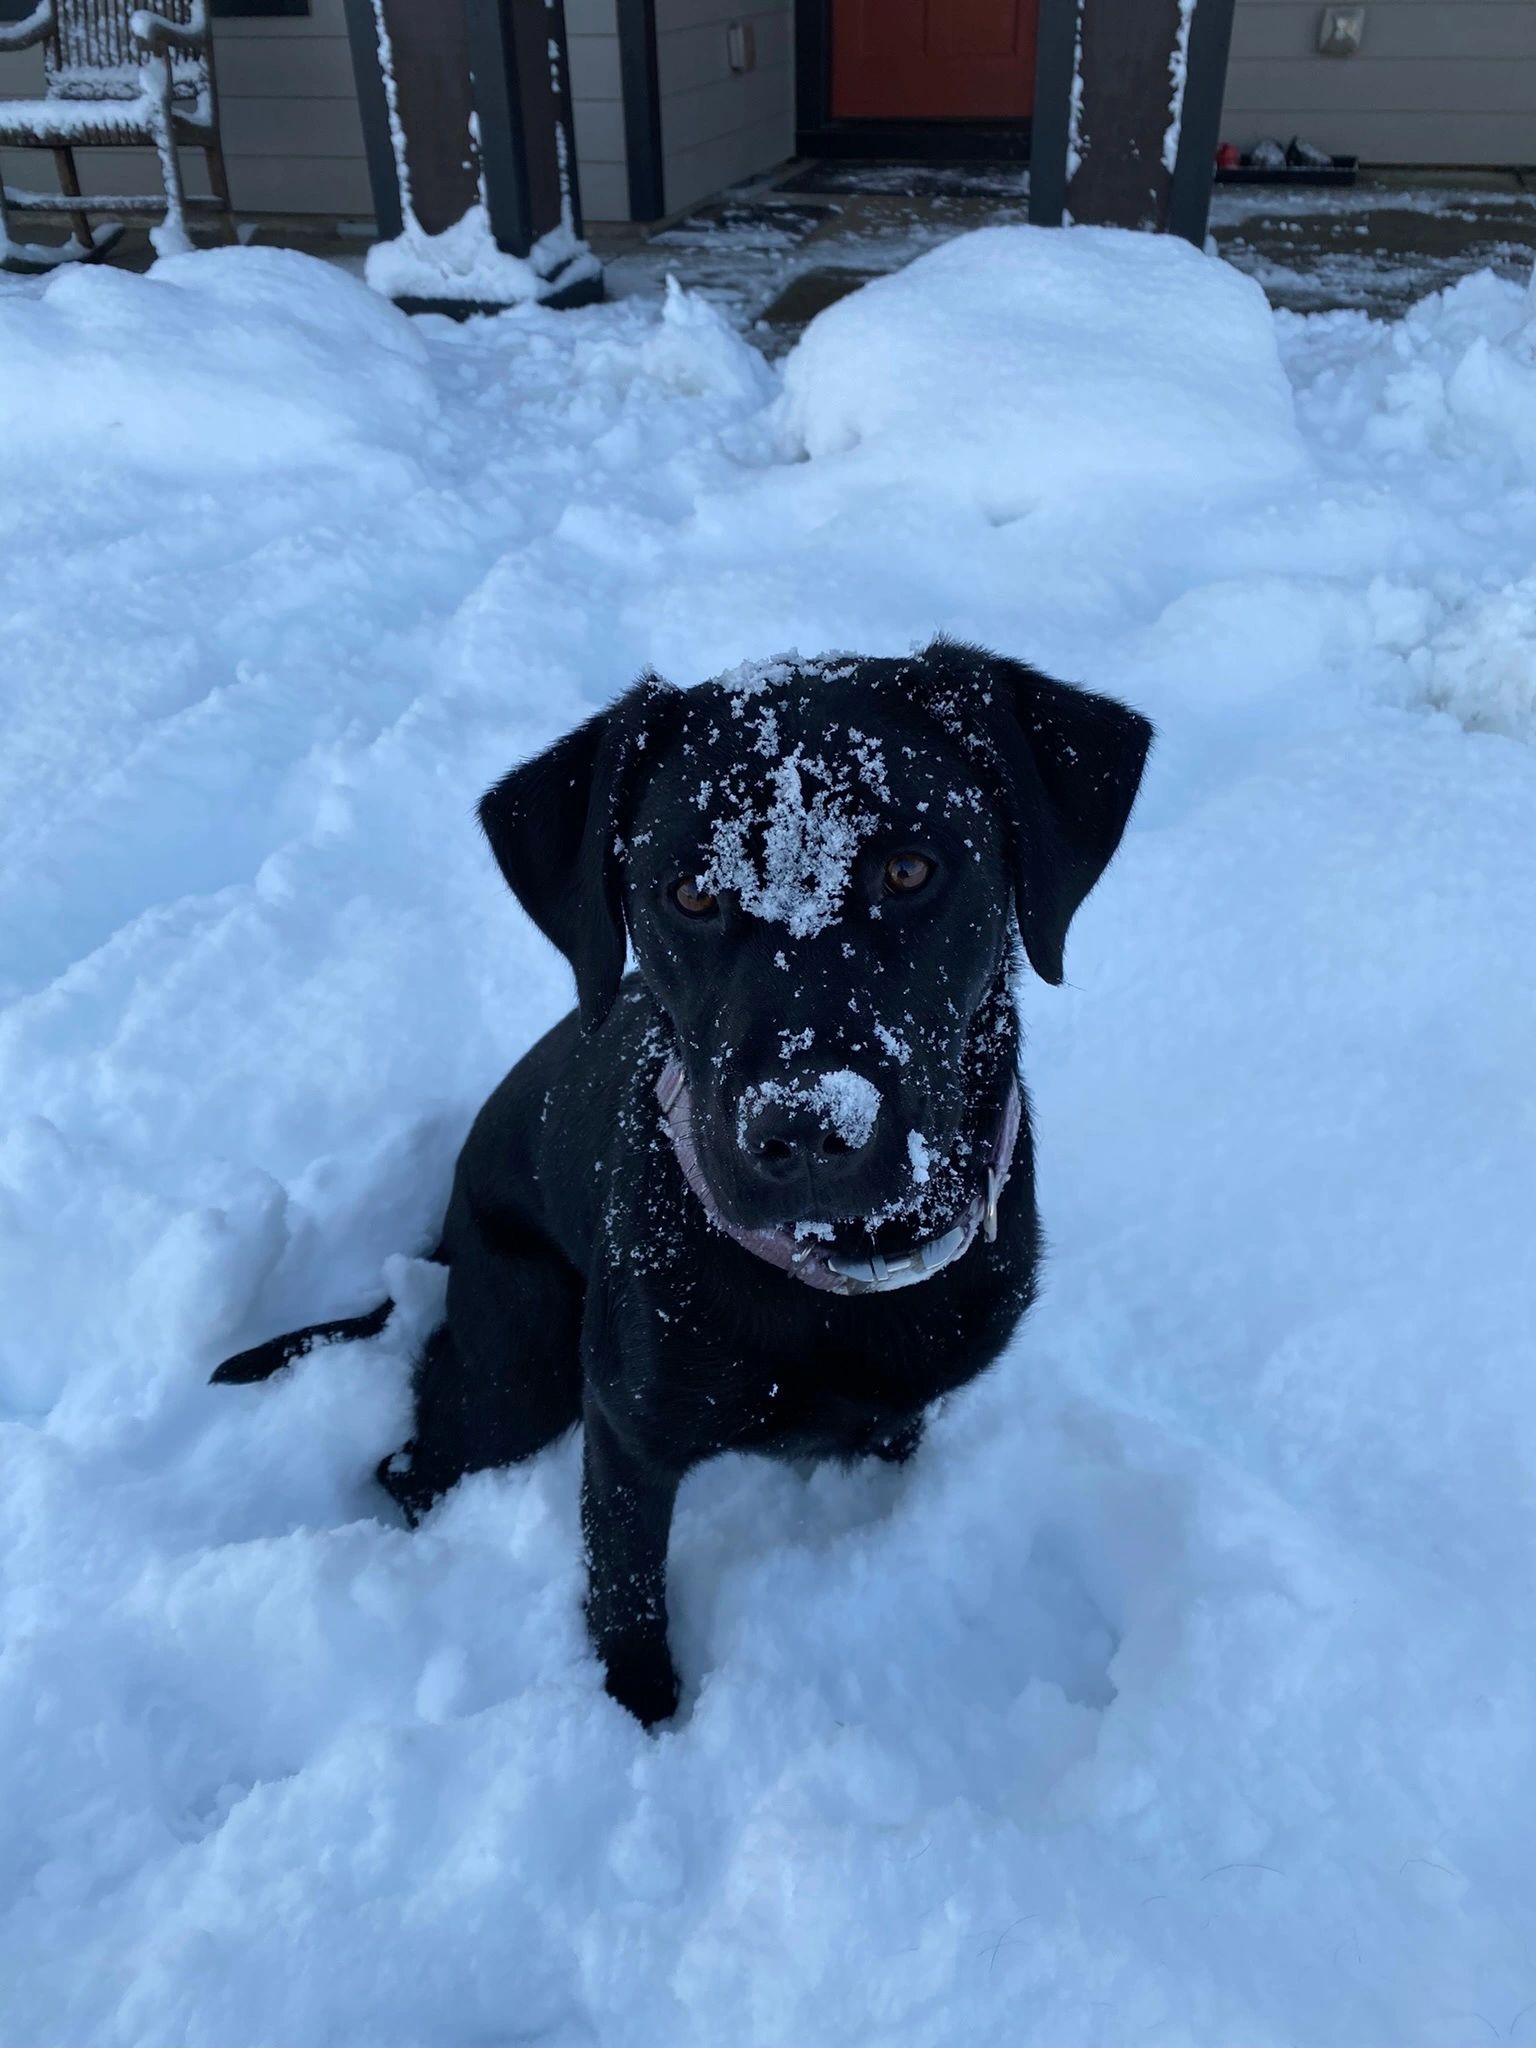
1182 1689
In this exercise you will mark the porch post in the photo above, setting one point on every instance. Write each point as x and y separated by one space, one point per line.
1127 110
466 113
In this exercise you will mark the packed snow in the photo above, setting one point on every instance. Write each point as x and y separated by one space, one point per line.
1182 1689
843 1103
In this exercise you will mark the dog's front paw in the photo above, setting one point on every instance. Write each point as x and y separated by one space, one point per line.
405 1485
644 1681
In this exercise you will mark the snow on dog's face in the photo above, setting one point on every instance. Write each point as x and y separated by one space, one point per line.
819 866
817 891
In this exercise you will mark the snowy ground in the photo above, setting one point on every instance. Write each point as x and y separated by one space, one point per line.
1183 1689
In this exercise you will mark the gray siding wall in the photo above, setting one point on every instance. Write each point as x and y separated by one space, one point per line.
718 126
289 114
597 107
1435 81
1438 81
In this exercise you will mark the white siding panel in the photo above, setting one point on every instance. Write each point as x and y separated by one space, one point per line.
1435 81
595 68
719 126
591 17
605 192
1482 29
699 173
263 67
1398 85
322 184
599 133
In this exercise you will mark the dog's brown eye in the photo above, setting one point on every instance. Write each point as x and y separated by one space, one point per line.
692 900
905 873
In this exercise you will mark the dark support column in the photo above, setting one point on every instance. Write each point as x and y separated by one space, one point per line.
373 110
1119 180
435 104
1102 161
1210 41
1055 59
475 105
527 139
642 109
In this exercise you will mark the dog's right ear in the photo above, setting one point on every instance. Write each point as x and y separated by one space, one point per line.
556 827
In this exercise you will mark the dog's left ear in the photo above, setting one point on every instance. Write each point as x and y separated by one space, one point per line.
1069 764
556 827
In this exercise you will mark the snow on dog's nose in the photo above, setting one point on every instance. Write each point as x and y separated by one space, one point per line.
788 1127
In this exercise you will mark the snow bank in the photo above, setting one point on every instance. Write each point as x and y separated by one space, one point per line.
1442 405
1183 1688
1037 366
231 358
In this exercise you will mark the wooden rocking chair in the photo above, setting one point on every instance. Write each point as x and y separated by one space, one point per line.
114 75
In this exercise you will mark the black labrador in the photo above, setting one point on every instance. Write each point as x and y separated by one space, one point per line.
772 1192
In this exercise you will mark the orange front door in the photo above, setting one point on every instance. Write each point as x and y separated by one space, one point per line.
933 60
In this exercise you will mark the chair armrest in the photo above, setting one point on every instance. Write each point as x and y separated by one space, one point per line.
21 35
159 34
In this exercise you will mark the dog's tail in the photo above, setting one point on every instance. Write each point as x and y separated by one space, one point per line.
262 1360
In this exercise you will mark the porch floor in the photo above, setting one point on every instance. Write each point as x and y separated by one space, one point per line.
774 257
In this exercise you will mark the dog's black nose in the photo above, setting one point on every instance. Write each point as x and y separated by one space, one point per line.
787 1126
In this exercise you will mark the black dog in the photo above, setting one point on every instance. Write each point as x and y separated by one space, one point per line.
688 1218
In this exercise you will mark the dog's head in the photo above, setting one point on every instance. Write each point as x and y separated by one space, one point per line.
820 867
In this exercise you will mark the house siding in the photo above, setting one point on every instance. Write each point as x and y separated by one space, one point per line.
719 126
1434 82
288 110
597 108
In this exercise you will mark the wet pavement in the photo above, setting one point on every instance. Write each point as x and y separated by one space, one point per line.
774 253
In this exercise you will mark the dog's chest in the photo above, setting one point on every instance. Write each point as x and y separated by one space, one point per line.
790 1373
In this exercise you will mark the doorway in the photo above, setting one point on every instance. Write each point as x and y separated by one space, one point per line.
932 60
941 81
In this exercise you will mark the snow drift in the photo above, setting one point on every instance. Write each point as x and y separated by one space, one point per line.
1182 1690
1027 368
232 359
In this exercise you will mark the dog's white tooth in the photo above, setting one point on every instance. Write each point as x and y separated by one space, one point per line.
940 1250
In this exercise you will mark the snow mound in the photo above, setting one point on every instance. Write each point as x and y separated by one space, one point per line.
242 358
1458 376
1182 1688
1438 408
1026 365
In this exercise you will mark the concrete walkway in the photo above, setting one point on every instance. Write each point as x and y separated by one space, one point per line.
774 258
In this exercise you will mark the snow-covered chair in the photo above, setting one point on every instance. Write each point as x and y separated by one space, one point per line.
116 75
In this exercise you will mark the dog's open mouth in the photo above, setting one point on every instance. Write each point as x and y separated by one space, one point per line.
898 1227
896 1247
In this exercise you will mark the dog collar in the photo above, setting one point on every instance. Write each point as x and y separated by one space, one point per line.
834 1272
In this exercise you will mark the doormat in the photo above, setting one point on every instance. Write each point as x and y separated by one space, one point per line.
914 181
746 225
